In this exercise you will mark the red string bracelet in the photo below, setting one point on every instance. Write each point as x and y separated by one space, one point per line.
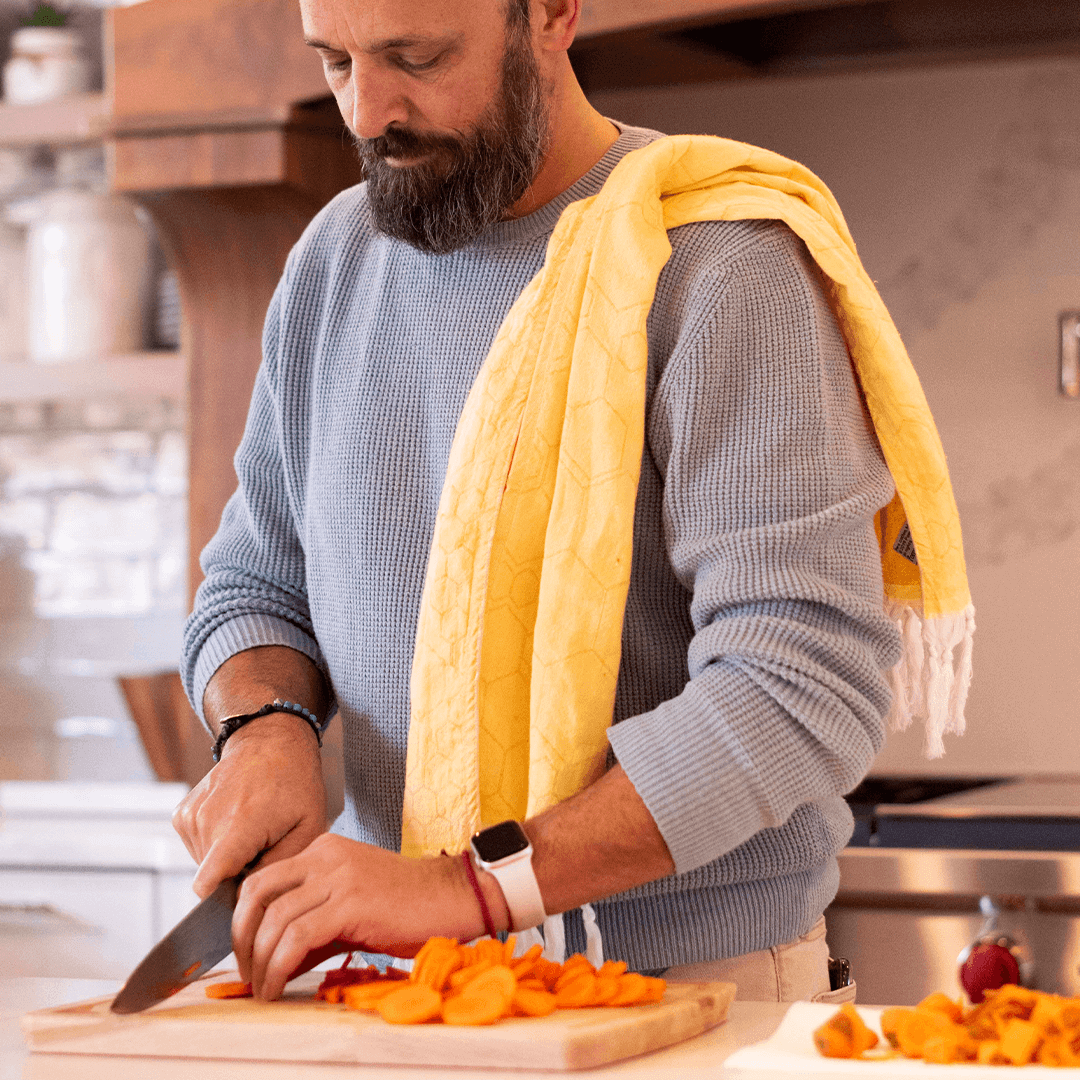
489 926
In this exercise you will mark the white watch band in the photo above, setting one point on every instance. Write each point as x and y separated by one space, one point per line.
520 890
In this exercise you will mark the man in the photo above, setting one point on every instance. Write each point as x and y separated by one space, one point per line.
750 691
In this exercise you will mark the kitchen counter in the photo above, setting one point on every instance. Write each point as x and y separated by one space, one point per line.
703 1057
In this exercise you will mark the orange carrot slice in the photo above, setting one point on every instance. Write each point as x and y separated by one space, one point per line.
632 989
367 996
577 992
534 1002
229 990
410 1004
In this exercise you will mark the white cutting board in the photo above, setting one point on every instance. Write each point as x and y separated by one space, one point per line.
302 1029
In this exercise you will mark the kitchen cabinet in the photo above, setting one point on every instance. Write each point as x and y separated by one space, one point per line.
91 877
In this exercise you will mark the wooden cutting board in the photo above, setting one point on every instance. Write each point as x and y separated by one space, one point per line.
301 1029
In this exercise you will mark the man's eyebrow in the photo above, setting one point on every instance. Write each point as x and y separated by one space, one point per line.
387 44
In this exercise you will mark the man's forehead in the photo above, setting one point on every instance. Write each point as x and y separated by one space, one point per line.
372 22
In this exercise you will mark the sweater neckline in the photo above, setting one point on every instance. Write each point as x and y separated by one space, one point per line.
542 221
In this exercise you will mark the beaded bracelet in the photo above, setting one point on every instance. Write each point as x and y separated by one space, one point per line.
232 724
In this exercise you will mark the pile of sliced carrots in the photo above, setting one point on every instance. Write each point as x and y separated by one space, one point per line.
477 984
482 983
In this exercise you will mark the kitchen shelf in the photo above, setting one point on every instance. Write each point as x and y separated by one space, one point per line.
139 375
81 118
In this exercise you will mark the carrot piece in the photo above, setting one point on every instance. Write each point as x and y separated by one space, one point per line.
508 950
632 989
366 996
460 978
942 1003
572 971
229 990
655 988
611 969
529 983
410 1004
534 1002
471 1009
576 993
605 990
524 964
495 980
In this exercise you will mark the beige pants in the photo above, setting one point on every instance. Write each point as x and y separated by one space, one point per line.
795 971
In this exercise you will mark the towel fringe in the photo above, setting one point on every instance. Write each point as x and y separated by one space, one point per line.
553 938
931 680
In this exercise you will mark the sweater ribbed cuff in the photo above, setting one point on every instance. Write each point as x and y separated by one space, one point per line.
691 784
248 631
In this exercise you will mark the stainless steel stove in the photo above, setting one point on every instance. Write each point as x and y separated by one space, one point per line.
931 858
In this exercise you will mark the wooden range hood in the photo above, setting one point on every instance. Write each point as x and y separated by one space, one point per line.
223 129
626 43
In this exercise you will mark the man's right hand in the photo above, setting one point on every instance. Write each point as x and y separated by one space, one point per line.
265 795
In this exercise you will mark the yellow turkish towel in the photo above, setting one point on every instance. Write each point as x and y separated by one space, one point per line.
519 636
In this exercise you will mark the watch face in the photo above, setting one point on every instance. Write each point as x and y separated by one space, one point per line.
500 841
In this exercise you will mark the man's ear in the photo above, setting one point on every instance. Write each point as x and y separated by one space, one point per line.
555 22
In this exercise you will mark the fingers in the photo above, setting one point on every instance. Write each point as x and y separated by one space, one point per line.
270 935
225 859
304 932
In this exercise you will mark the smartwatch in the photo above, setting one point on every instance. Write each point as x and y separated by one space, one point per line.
504 851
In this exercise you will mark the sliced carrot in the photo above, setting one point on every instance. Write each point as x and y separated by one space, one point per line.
577 993
496 980
466 975
632 989
524 964
611 969
229 990
410 1004
471 1009
508 950
534 1002
367 996
605 990
571 972
531 984
655 988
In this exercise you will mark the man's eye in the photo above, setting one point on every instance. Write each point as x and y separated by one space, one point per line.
337 66
413 66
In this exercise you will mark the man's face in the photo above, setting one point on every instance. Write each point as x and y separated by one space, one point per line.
447 107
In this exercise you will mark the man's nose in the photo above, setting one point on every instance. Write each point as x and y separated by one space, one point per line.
376 102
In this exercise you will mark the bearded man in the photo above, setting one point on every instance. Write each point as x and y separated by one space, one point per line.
752 644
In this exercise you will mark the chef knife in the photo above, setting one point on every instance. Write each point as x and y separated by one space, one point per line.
200 940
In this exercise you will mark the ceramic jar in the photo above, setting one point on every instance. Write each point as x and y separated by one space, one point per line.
90 277
47 62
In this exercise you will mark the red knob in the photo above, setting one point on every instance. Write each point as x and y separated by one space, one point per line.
987 967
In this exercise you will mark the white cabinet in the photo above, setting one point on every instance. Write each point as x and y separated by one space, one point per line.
86 895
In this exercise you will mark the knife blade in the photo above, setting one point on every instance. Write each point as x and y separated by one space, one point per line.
201 939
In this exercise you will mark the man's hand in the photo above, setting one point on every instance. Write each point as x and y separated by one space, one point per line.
265 795
355 895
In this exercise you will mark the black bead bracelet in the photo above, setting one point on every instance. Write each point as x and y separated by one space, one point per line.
232 724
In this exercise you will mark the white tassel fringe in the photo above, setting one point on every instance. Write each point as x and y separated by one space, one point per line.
930 683
554 938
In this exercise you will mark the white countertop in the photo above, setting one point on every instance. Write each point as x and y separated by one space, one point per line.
697 1059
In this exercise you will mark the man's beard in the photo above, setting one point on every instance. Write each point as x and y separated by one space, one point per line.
469 181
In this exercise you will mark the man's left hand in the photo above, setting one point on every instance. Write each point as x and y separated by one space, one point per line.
352 895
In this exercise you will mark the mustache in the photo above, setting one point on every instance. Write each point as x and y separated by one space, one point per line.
403 143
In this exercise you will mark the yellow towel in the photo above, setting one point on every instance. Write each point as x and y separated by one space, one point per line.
520 629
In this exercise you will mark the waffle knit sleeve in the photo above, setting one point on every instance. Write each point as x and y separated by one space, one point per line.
771 479
254 589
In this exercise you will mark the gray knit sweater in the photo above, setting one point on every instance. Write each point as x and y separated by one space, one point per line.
751 693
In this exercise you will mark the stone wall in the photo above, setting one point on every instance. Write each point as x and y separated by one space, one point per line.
92 584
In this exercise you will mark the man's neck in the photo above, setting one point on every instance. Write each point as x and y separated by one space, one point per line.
580 137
